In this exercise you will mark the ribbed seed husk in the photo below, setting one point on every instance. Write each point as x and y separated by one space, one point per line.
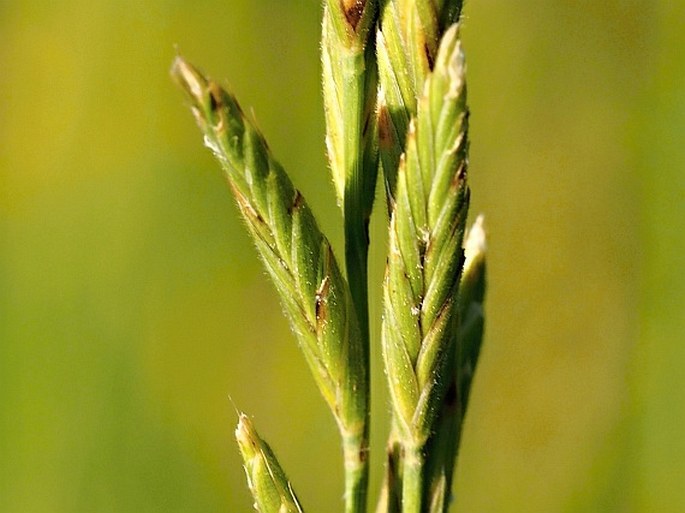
443 445
271 489
426 255
408 37
296 254
349 91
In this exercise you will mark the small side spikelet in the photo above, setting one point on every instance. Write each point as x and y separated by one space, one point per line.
443 445
268 483
471 314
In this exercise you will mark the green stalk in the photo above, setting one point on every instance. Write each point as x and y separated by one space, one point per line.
356 472
299 259
390 499
412 482
425 262
349 90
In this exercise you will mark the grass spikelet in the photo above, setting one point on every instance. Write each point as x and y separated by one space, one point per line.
270 488
425 261
298 257
408 37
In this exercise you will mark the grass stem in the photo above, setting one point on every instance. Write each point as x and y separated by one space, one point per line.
412 479
355 451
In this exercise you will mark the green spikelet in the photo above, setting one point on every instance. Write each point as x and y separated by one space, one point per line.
268 483
299 259
425 261
443 445
349 92
407 45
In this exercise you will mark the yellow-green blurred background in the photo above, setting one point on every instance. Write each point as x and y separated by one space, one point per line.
134 314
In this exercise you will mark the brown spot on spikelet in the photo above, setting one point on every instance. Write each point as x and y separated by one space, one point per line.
297 203
430 58
451 396
354 9
321 304
215 100
385 140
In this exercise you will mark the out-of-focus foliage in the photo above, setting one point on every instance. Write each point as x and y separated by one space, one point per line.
132 304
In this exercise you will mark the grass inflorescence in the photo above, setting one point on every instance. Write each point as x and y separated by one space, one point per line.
395 100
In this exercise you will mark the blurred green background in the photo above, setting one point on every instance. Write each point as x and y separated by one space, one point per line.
134 314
